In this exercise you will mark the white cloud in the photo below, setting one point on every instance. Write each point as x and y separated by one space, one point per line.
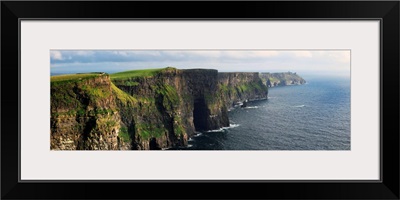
266 53
340 56
122 53
56 55
226 60
210 54
84 53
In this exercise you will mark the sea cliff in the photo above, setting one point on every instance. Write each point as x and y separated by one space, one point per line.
281 79
145 109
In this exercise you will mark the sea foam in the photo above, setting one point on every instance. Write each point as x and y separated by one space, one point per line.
224 128
299 106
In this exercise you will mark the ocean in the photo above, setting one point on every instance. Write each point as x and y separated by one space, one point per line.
313 116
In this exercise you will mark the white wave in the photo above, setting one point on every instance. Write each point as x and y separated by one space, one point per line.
233 125
224 128
233 108
250 107
299 106
198 134
190 139
189 145
216 130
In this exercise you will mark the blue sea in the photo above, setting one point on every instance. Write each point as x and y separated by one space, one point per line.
313 116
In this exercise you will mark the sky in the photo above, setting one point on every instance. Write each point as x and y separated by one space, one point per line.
333 62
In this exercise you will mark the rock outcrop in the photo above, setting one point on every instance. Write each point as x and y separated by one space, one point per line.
148 109
237 87
281 79
84 115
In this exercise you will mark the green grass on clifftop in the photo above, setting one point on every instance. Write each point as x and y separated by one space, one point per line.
73 77
135 73
122 96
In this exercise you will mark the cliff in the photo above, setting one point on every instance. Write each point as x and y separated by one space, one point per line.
237 87
144 109
84 114
281 79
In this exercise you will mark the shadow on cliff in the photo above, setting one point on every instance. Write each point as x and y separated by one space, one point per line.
200 114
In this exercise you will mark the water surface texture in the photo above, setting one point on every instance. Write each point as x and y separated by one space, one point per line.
313 116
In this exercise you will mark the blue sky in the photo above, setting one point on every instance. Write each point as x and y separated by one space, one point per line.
333 62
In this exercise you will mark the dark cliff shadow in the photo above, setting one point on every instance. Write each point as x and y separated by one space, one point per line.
200 114
132 135
154 145
89 125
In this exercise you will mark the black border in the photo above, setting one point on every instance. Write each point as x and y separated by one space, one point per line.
387 11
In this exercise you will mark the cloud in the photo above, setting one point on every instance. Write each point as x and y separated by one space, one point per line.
59 56
303 54
84 53
266 53
203 54
248 54
340 56
224 60
56 55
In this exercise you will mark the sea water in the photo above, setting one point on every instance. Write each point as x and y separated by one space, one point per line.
313 116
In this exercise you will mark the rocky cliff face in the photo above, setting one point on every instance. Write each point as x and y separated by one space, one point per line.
238 87
281 79
84 115
151 110
172 105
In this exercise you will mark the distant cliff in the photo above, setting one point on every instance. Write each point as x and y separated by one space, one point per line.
281 79
144 109
237 87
